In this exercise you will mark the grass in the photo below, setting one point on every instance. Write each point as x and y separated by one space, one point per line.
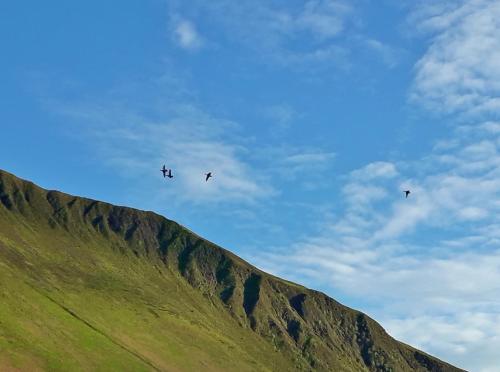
72 304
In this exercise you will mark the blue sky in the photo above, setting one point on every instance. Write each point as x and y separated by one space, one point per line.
313 115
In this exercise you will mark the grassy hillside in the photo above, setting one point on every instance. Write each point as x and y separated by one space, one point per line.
86 285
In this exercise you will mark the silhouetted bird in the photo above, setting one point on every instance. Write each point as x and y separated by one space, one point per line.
166 172
407 192
209 174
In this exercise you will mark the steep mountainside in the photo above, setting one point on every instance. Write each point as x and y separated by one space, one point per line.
86 285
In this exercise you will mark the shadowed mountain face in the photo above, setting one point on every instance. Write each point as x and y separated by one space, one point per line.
86 285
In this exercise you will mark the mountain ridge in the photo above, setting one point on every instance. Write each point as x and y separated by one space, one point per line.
64 245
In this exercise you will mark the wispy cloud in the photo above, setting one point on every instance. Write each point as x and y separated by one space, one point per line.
472 336
187 140
305 167
390 55
186 35
311 159
324 19
460 71
374 170
310 35
273 29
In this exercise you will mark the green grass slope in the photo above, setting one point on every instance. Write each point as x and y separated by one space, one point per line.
86 285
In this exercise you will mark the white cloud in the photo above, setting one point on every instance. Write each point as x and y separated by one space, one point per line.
473 337
272 29
362 194
304 167
323 18
460 71
473 213
187 36
374 170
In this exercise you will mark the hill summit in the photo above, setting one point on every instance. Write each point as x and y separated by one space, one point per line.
85 285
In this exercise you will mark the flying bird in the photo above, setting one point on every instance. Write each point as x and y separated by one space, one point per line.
208 175
166 172
407 192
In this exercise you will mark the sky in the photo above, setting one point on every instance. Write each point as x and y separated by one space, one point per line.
313 116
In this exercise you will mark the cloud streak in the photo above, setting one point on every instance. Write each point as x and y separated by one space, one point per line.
460 72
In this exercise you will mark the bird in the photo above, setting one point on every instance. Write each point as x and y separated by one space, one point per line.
166 172
208 175
407 192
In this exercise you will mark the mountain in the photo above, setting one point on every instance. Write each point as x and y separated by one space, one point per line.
85 285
